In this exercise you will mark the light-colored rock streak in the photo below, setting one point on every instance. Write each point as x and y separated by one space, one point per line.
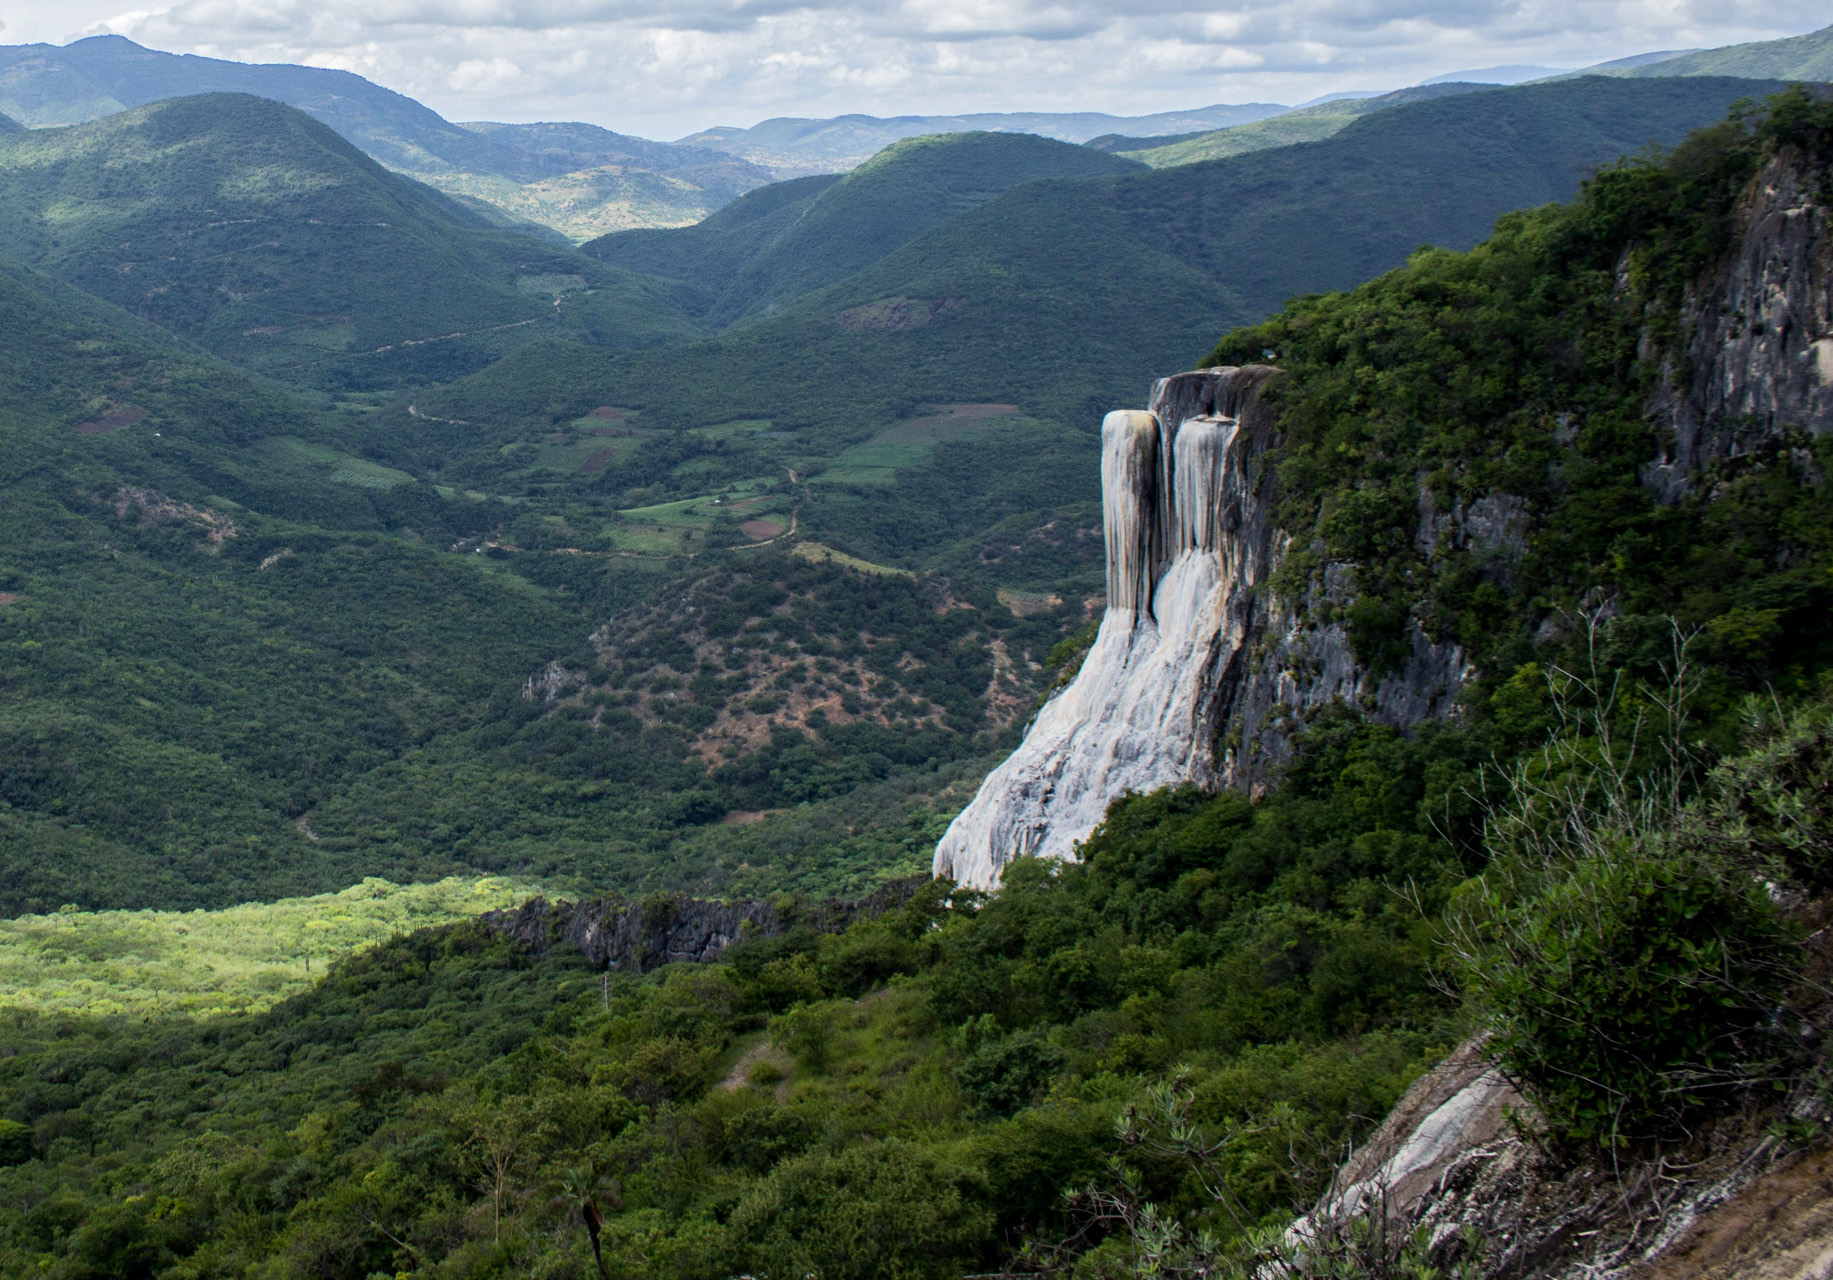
1137 715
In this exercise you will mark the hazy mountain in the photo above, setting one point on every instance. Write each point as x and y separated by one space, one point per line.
1305 124
1513 73
626 181
793 144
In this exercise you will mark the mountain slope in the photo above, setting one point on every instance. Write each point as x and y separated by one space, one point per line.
586 181
183 665
1066 297
255 230
506 165
1808 57
1306 124
841 228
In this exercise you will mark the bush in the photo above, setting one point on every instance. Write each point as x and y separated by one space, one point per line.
1628 987
1007 1074
1776 801
16 1145
887 1211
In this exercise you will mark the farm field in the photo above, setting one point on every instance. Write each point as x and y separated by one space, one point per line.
913 441
745 512
243 959
289 452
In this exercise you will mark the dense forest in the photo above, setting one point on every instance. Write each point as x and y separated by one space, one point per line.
1144 1062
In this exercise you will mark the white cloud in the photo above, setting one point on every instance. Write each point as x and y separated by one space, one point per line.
665 67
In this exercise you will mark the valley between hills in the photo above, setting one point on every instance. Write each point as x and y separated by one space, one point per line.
575 705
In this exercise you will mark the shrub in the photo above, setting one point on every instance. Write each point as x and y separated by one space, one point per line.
1007 1074
887 1211
1628 987
16 1146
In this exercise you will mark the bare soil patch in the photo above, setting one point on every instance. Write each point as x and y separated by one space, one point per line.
1778 1228
125 416
9 597
894 313
745 817
600 459
610 413
756 529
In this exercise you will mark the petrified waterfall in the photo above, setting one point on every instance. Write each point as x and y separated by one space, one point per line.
1185 548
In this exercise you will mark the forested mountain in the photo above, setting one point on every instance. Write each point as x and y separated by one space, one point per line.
822 232
1302 124
259 233
1808 57
1591 451
1068 297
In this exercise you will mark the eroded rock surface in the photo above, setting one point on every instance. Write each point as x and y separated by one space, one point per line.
637 935
1759 359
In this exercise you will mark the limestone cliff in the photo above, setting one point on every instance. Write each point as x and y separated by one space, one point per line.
1188 542
1757 353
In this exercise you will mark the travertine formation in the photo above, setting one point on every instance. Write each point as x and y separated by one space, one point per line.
1186 547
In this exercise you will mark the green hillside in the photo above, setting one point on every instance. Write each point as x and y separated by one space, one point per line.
1066 298
254 230
1306 124
1808 57
841 228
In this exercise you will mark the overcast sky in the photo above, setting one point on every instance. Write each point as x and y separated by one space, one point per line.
663 68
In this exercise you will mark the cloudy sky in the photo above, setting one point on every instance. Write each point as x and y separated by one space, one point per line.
663 68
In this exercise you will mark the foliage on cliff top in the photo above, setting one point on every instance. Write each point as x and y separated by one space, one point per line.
1509 385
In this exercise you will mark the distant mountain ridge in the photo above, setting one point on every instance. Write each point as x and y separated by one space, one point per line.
628 181
794 144
1027 296
1303 124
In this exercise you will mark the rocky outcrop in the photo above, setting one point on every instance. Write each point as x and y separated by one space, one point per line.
1758 335
637 935
1457 1159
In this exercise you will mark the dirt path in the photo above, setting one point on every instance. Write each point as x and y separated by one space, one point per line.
1779 1228
447 337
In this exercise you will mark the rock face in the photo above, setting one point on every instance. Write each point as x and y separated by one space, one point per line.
1454 1159
636 936
1759 355
1199 673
